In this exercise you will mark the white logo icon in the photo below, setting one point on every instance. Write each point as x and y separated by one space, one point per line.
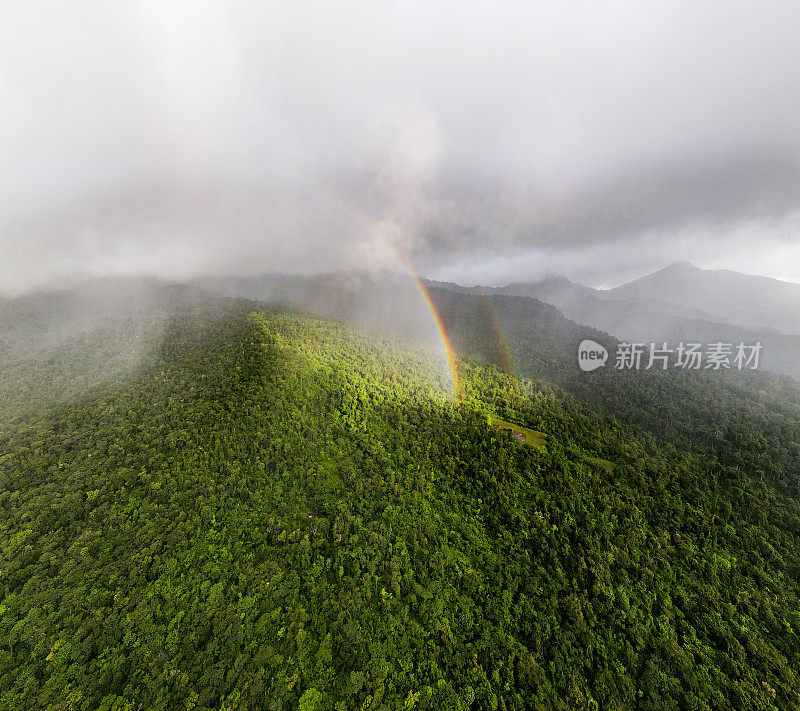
591 356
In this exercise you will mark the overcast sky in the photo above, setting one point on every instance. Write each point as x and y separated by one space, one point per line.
482 142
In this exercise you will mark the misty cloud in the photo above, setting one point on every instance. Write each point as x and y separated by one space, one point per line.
184 138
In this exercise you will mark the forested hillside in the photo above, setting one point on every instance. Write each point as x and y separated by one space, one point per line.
277 512
747 422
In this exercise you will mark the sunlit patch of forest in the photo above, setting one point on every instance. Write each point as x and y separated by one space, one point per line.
279 512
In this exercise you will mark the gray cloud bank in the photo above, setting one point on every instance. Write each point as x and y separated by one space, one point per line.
481 141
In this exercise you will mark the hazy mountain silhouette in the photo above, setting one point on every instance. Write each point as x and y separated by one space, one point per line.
630 319
754 301
680 303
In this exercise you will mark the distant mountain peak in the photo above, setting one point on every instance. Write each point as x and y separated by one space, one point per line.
743 299
681 265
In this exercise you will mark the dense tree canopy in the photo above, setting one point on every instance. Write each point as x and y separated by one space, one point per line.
277 512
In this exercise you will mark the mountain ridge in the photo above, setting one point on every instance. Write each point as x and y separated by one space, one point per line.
650 309
739 298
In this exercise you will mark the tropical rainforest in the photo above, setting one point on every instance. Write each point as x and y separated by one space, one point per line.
269 510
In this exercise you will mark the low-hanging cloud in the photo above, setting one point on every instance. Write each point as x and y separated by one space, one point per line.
183 138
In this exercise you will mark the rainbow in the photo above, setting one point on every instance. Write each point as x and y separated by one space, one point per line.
452 361
500 338
501 341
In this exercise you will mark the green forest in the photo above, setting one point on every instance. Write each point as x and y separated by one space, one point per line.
272 511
